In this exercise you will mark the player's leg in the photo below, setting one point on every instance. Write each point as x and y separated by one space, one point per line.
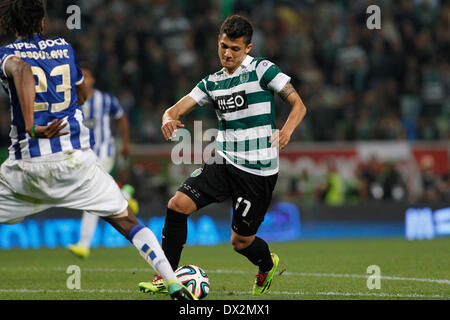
144 240
89 221
14 207
174 233
149 248
202 188
257 251
174 237
89 224
251 198
98 193
87 229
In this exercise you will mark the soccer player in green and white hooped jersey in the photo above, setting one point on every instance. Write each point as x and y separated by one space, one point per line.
246 111
246 166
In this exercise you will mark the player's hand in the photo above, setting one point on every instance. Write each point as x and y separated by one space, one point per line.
280 139
169 128
52 130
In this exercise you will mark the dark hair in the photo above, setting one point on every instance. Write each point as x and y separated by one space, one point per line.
22 16
237 26
86 65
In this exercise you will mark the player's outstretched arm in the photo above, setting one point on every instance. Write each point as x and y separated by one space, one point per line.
82 93
123 125
170 119
22 75
298 111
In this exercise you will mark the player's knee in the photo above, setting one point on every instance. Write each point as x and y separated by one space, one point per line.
239 243
180 205
123 222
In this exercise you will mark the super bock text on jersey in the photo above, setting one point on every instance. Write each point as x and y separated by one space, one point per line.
56 72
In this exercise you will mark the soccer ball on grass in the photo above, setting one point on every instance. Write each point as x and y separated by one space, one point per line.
194 279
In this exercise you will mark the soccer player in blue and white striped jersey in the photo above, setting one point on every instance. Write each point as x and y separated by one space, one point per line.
50 161
98 110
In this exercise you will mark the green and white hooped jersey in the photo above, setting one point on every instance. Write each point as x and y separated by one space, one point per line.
245 108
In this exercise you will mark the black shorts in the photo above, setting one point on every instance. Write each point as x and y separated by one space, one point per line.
251 194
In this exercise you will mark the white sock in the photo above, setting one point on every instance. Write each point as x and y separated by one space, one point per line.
150 249
88 225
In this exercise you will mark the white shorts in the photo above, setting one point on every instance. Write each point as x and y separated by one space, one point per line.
107 163
73 180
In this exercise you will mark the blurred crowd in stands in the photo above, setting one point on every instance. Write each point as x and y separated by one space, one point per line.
374 180
357 84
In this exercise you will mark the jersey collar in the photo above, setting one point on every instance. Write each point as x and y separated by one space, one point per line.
246 61
244 64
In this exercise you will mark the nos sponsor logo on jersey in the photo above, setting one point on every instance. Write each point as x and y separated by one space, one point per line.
230 103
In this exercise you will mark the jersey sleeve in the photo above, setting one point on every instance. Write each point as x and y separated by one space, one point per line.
5 54
271 76
200 93
116 109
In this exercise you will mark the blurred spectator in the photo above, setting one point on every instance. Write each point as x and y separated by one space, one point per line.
445 188
372 179
333 192
306 187
430 181
394 186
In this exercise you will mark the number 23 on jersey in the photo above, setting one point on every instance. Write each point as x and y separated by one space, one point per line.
64 87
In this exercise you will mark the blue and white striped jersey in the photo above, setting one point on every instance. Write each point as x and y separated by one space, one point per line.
98 111
56 72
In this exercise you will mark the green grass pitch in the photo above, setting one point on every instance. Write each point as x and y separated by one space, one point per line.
308 270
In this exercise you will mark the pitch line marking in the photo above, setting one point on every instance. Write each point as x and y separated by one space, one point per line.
361 294
223 271
338 275
231 293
